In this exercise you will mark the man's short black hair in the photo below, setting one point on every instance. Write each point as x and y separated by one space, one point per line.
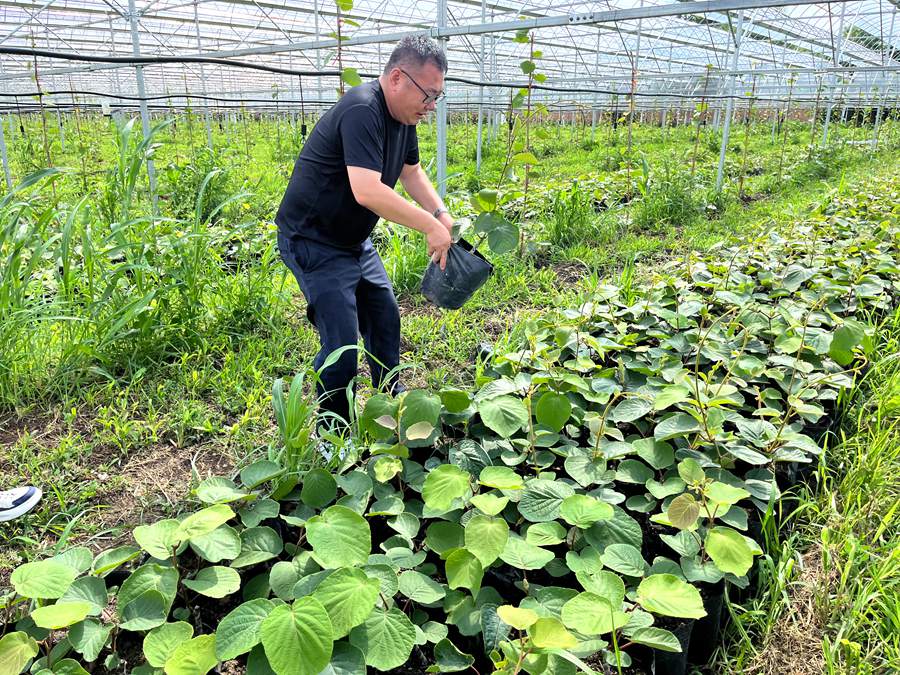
415 51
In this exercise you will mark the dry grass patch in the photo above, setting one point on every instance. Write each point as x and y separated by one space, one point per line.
794 645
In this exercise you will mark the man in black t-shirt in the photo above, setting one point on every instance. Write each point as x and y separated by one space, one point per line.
342 182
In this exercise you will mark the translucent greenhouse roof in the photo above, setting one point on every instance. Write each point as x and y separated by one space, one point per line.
593 53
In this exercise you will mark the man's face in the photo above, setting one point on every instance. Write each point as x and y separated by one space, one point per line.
409 87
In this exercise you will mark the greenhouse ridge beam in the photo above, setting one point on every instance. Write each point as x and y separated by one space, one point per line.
651 56
208 21
684 10
770 52
656 11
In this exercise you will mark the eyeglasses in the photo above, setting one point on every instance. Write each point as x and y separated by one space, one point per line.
429 98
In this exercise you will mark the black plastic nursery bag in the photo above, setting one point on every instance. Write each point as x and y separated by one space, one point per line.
465 273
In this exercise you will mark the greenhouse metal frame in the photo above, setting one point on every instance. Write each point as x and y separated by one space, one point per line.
286 57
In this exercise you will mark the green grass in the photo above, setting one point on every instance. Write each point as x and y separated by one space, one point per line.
829 590
116 398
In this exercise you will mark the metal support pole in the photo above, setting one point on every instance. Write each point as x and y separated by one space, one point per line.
887 86
145 113
496 115
3 154
729 108
635 65
209 141
442 113
116 114
837 63
112 42
318 80
480 95
225 118
596 72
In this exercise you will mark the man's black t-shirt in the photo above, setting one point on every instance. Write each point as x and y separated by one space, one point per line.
358 131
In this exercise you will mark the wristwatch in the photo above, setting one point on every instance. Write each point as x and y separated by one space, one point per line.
438 211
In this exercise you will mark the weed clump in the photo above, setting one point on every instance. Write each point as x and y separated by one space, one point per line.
185 182
570 217
666 201
405 258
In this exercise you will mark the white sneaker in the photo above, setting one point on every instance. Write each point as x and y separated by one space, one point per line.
18 501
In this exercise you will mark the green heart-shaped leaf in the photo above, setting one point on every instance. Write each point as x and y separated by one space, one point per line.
443 485
591 614
196 656
339 537
214 582
486 538
238 631
464 570
583 511
162 641
60 615
298 638
729 550
43 579
386 638
504 415
667 595
348 595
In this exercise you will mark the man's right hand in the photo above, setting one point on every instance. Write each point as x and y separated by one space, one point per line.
439 242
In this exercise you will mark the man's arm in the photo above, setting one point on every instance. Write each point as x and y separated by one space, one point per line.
370 192
416 183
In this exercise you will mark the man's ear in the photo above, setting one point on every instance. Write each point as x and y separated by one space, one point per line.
394 76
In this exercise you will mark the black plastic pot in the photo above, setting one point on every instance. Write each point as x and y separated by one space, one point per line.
707 630
418 663
674 663
806 471
652 545
755 532
504 579
785 475
465 272
787 478
754 525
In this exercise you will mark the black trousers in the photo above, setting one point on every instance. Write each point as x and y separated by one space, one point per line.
348 294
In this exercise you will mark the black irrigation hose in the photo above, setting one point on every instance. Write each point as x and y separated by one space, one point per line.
471 104
317 110
157 60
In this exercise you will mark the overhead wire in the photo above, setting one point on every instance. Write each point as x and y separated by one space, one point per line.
209 97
